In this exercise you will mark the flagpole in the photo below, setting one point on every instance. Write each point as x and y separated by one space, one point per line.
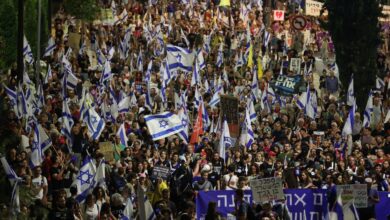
38 62
20 62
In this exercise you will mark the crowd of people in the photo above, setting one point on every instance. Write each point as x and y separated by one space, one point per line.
306 152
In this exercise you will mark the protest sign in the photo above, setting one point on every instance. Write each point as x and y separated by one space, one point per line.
288 85
278 15
267 189
295 65
355 192
160 171
301 203
313 8
107 150
229 108
386 13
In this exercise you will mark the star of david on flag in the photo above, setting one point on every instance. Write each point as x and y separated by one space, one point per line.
163 125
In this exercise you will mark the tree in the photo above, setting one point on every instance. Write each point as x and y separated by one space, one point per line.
354 27
86 11
8 34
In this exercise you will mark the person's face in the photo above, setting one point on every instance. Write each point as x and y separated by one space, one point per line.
205 176
37 171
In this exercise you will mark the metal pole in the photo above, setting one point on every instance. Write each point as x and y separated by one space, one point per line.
38 63
20 62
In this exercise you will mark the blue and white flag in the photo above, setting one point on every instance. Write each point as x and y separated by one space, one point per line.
205 117
49 75
197 98
163 125
251 110
145 208
94 123
149 71
347 211
67 120
249 131
107 74
27 52
22 102
140 63
179 58
128 211
200 59
348 126
239 61
184 37
85 180
183 134
122 135
379 83
51 45
13 100
368 111
122 18
255 87
195 80
14 180
350 93
124 105
267 38
308 102
40 143
220 55
225 140
216 97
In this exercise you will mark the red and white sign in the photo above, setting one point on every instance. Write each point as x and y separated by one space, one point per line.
299 23
278 15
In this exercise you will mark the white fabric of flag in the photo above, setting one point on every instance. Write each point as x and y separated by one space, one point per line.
220 56
85 180
94 123
349 123
379 83
249 131
350 93
163 125
200 59
27 52
14 180
49 75
195 80
51 46
145 208
107 74
197 98
67 120
179 58
124 105
368 111
183 134
225 140
122 135
13 100
216 97
140 63
122 18
40 143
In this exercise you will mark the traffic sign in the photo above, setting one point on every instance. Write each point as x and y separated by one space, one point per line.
299 22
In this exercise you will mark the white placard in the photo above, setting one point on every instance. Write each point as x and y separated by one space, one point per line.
278 15
313 8
355 192
267 189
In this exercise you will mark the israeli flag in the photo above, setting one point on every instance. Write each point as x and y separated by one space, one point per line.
140 64
379 83
100 57
206 86
220 56
308 102
27 52
368 111
239 61
200 59
149 71
205 117
13 99
267 38
14 180
85 180
348 126
122 135
216 97
41 142
94 123
347 211
251 110
51 45
207 42
67 120
350 93
22 102
255 87
195 80
249 131
163 125
145 208
148 98
183 36
124 105
197 98
49 75
179 58
128 211
183 134
225 140
107 74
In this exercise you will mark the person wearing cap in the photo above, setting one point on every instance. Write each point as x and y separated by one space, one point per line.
372 200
